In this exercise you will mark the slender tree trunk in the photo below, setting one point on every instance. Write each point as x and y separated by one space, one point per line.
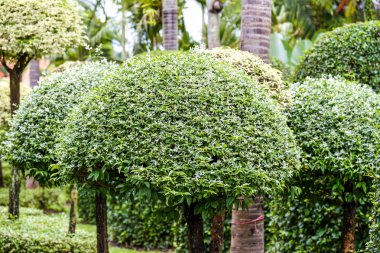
123 27
1 174
348 227
214 8
195 226
256 27
34 73
14 194
73 210
15 80
247 231
217 232
170 24
101 222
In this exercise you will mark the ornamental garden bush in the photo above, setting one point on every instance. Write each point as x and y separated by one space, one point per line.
38 233
351 51
182 128
336 124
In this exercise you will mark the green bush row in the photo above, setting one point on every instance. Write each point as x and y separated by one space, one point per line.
35 232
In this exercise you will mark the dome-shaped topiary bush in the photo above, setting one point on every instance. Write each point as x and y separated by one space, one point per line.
183 127
256 68
351 51
336 124
35 127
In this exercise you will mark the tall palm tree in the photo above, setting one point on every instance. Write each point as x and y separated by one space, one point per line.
170 24
214 8
256 27
248 226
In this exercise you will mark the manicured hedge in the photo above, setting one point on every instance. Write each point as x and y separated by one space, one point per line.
336 124
38 233
351 51
374 243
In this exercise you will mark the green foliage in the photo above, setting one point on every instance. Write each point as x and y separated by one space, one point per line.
336 124
257 69
139 224
37 233
351 51
53 199
86 206
35 128
374 243
183 127
34 28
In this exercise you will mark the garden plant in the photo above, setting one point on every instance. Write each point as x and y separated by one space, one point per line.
183 128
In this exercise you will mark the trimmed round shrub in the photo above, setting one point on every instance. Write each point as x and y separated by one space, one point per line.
35 128
35 232
266 76
351 51
183 127
336 124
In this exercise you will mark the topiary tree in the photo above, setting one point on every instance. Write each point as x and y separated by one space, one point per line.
35 127
30 29
183 128
351 51
336 124
266 76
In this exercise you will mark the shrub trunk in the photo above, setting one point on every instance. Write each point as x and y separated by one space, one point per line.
217 232
195 227
348 227
73 210
101 222
1 174
14 194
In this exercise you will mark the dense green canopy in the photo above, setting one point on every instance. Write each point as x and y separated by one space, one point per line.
351 51
34 28
180 124
35 127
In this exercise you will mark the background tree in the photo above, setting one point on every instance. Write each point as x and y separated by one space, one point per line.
195 164
34 132
214 8
336 125
351 51
43 28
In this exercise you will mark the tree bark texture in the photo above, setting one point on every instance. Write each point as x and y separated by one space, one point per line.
15 80
73 210
101 222
195 227
217 232
14 194
214 8
170 24
34 73
1 174
256 27
348 227
247 231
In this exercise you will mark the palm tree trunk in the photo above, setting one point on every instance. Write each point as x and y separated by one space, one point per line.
170 24
247 231
34 73
195 226
101 222
256 27
213 27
